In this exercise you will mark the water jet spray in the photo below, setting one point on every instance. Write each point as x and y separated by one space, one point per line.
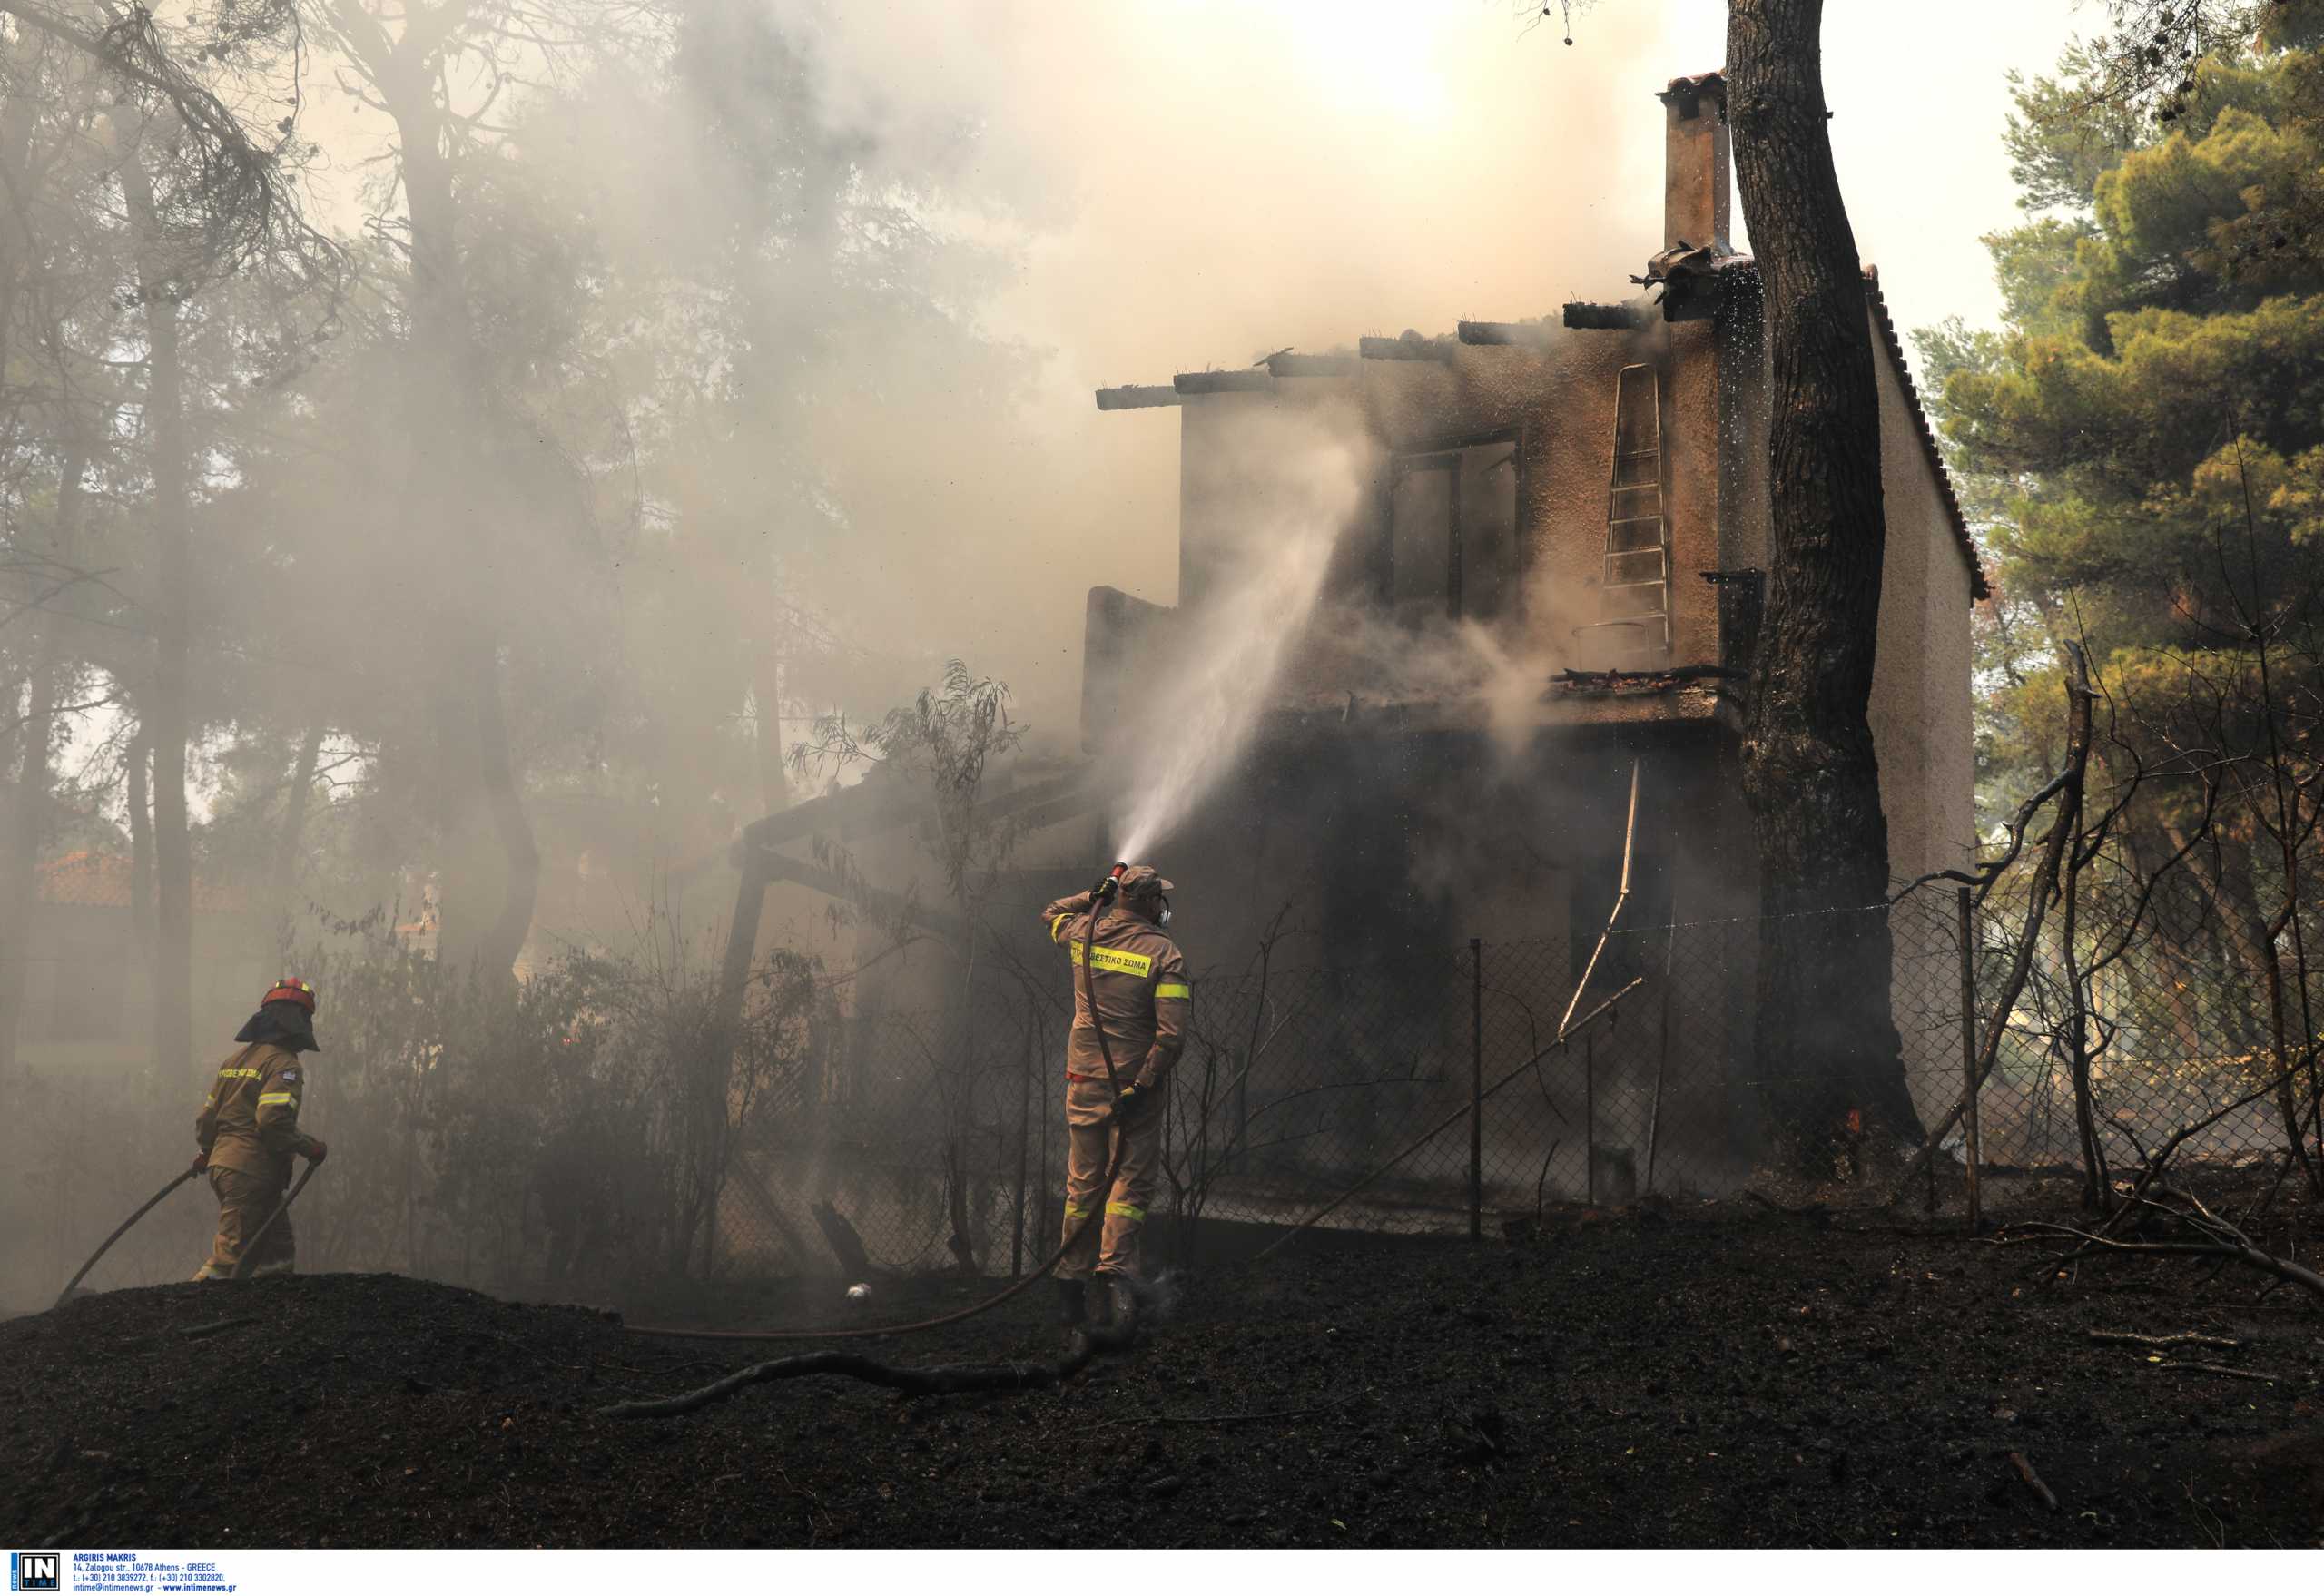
1226 663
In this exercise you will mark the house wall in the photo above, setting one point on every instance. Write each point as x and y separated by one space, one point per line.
1560 394
1921 728
1920 684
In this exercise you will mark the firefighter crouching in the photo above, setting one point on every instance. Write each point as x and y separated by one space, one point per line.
247 1130
1138 980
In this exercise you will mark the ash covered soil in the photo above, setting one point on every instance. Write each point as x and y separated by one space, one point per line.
1705 1377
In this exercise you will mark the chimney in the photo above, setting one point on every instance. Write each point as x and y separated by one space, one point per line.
1695 161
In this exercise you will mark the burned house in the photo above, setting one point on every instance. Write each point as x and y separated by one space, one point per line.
1442 602
1580 506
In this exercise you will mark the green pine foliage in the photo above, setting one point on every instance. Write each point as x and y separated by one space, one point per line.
2142 441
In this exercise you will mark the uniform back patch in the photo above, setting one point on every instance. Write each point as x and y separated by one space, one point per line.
1115 960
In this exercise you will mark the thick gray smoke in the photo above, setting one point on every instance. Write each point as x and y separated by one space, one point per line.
691 373
1225 662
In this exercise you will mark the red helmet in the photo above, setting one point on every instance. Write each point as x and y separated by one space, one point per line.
291 989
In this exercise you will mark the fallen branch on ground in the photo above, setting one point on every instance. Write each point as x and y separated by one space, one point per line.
2025 1472
2216 1369
2184 1338
943 1380
2217 1238
940 1380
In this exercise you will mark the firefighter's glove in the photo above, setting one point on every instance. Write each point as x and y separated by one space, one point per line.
201 1162
316 1149
1131 1104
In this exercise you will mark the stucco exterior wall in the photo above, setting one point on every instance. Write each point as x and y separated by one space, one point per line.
1559 395
1562 394
1921 730
1920 682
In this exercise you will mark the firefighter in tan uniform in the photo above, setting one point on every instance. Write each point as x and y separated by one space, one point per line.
1138 980
248 1130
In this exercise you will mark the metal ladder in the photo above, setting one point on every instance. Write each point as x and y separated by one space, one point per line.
1634 585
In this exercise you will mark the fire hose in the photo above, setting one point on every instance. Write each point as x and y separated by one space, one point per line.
122 1229
249 1247
1099 897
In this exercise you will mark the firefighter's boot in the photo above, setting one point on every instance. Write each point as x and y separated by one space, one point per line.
1121 1299
1072 1304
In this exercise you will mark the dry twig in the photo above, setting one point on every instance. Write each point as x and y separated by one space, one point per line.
2216 1369
2184 1338
2025 1472
2216 1238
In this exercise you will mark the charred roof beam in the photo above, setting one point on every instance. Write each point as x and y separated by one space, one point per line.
1412 346
1201 382
1525 334
1589 316
1136 397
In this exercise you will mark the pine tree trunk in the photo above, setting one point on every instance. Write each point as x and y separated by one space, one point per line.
2233 895
294 824
766 692
520 888
1826 1042
481 810
167 721
141 849
27 809
20 815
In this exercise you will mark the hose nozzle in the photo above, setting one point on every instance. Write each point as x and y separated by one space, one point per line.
1110 882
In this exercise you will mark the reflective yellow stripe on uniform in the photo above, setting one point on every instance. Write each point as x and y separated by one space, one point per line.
1076 1211
239 1074
1115 960
1174 989
1125 1211
266 1100
1057 927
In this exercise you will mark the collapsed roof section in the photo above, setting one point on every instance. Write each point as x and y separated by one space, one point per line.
1692 280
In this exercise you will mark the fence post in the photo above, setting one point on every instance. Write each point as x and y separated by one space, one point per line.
1662 1054
1027 1073
1476 1089
1589 1118
1970 1149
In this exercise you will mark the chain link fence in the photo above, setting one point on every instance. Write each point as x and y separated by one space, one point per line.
935 1136
1426 1094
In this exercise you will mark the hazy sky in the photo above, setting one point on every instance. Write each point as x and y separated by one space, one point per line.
1192 184
1232 178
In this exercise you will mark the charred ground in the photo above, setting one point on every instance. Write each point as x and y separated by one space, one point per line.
1709 1377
